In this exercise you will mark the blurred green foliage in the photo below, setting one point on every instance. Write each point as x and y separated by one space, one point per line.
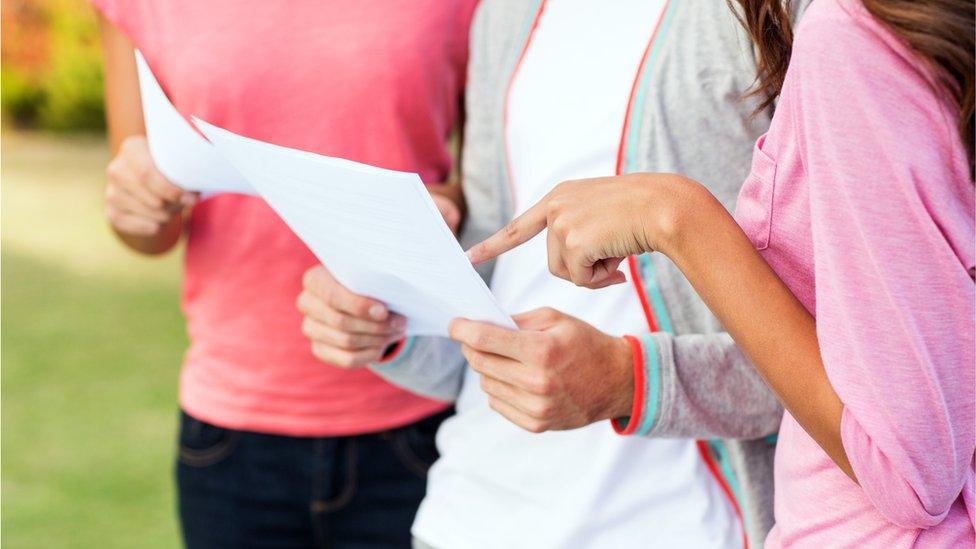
91 346
20 98
52 66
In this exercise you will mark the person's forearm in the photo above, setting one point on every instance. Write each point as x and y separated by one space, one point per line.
123 106
766 320
123 110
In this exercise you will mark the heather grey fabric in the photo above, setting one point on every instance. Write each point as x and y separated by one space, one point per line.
693 121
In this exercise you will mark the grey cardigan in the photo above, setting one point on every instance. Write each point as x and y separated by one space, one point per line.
689 118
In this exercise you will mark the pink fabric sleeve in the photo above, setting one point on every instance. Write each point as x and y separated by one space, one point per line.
891 201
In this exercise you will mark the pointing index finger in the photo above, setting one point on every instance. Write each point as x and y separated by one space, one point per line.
517 232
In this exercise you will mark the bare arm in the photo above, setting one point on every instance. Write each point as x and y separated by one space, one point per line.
122 102
760 313
144 209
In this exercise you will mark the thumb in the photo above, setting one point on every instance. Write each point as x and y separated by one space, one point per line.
449 211
538 319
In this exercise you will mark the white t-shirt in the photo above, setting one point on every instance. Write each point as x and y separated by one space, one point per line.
496 485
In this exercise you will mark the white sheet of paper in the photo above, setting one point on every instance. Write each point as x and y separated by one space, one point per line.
180 153
378 231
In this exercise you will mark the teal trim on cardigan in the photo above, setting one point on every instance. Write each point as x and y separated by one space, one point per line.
630 162
718 447
654 291
636 114
652 384
529 23
524 41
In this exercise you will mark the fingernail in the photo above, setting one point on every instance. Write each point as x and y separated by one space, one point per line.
378 312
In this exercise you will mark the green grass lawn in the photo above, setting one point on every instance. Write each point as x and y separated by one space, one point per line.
92 340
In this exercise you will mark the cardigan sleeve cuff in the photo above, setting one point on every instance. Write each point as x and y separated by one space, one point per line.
395 353
646 387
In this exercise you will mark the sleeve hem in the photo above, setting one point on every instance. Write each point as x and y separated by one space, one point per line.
628 425
652 375
893 498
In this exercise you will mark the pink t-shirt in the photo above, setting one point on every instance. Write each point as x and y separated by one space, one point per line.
860 198
375 81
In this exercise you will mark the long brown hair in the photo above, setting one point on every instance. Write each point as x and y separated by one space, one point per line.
940 32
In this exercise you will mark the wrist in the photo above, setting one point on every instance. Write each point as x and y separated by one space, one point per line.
163 241
620 402
669 206
691 207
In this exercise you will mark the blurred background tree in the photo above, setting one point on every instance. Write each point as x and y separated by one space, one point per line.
51 65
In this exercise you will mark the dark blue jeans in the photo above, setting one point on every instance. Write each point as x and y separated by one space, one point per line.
243 489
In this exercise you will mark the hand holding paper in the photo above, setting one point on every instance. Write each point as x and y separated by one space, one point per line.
378 231
346 330
180 153
140 203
